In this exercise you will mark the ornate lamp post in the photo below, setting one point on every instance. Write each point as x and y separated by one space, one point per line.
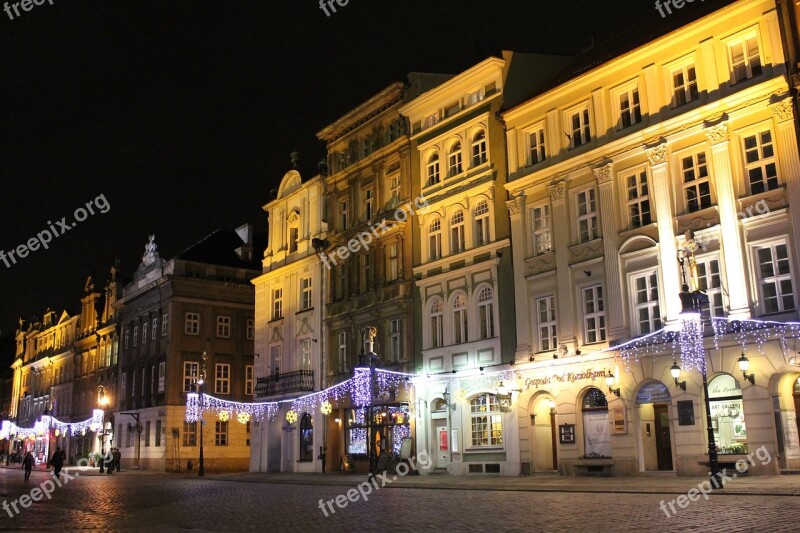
102 402
201 469
691 305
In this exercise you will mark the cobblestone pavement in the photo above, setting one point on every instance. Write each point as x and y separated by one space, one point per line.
137 501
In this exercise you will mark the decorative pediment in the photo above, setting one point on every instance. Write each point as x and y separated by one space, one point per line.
291 182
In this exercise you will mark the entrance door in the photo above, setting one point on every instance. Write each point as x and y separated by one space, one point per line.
663 441
442 445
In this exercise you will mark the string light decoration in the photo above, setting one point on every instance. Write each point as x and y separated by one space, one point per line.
291 416
326 407
39 428
224 416
243 418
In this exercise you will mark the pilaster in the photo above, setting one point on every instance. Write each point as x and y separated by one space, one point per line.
561 238
615 316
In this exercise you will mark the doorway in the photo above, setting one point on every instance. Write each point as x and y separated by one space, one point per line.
442 444
653 401
663 440
544 452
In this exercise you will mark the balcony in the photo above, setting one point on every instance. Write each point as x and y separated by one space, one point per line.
277 384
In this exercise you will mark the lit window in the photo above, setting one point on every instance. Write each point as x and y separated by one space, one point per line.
394 187
486 421
457 243
277 304
696 187
594 315
762 173
645 298
774 278
190 372
393 262
482 223
727 415
542 230
546 322
222 381
537 150
437 331
479 149
684 85
454 160
192 324
460 319
224 327
580 128
293 238
586 205
305 293
486 313
710 282
433 170
435 240
745 59
630 112
638 200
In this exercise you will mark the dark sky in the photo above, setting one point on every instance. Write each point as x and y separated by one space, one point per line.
183 114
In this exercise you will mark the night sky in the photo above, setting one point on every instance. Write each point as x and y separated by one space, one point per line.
183 114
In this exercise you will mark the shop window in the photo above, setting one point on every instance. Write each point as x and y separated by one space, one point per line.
356 431
486 421
306 438
727 415
596 436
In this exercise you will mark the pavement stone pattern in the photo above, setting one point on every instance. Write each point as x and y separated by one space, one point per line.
142 501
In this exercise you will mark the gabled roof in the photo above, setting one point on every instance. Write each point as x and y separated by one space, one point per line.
219 248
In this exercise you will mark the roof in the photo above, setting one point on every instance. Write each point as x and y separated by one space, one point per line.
219 248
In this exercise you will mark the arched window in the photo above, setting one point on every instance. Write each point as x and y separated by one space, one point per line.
596 435
457 243
435 240
306 438
437 331
486 312
482 223
486 421
460 319
479 149
433 169
454 159
727 414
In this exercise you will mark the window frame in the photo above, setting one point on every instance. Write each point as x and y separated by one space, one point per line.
433 175
435 237
591 217
696 183
191 324
479 148
486 320
457 233
652 307
222 378
551 324
634 206
482 234
634 111
455 159
191 376
249 380
223 328
772 245
306 293
601 327
763 163
544 230
743 39
221 429
584 114
277 303
492 415
539 148
459 315
436 323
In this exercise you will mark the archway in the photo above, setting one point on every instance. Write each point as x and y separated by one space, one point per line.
785 390
653 402
544 452
596 435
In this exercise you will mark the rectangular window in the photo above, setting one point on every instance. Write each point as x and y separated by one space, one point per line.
161 376
343 367
537 150
594 315
546 322
342 215
630 112
394 187
144 333
191 370
542 230
192 324
294 237
147 434
392 264
158 433
638 199
774 278
305 354
580 128
366 270
222 381
696 187
155 329
454 166
645 297
710 282
276 359
135 335
221 433
164 322
586 205
394 340
224 327
305 293
745 59
684 85
190 433
127 340
249 379
368 204
759 154
277 304
486 421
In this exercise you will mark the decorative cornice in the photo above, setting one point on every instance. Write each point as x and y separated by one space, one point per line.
782 110
558 190
515 205
657 155
604 173
404 151
717 133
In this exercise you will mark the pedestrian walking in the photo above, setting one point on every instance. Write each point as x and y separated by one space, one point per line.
27 464
57 461
117 458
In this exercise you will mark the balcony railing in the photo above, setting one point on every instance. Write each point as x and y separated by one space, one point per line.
299 381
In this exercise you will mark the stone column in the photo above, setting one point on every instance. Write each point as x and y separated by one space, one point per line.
665 219
524 314
615 312
788 159
731 239
561 237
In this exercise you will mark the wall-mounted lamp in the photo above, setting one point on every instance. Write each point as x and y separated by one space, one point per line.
675 370
744 366
446 397
610 383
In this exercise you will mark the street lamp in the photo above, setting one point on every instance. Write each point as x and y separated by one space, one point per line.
102 402
744 366
691 305
201 469
610 384
675 370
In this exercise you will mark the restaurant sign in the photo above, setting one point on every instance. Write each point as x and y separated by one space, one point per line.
565 377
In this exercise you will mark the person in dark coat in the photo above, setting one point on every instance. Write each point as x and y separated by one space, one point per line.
57 461
117 457
27 464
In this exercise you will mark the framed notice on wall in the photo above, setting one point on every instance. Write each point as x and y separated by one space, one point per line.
566 433
619 420
686 413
